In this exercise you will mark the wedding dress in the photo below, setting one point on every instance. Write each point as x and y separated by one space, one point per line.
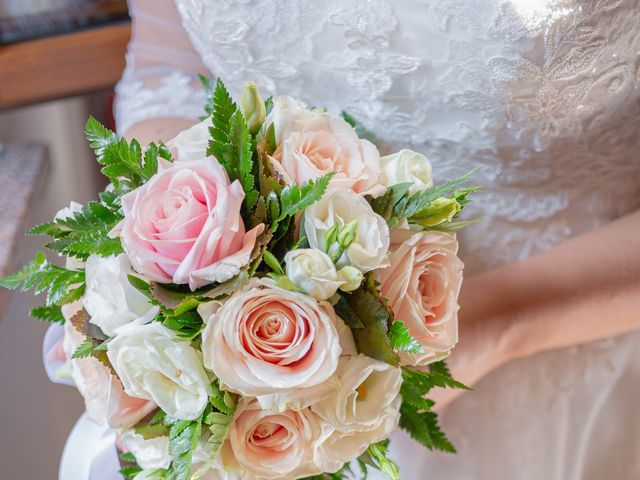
543 95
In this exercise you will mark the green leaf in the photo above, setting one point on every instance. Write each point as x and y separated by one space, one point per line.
238 157
99 136
84 350
223 107
401 338
295 198
51 313
123 163
207 86
86 231
220 418
273 263
367 305
398 203
424 428
416 415
62 285
376 456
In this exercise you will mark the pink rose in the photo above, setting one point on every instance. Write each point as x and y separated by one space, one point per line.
104 397
324 143
275 445
184 225
266 340
422 285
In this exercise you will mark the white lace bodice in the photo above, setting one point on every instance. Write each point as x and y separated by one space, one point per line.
542 95
539 93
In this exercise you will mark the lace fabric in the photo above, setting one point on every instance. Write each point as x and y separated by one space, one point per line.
542 96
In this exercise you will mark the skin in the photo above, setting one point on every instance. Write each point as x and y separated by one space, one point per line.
586 289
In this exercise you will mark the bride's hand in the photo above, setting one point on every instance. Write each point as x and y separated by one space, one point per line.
583 290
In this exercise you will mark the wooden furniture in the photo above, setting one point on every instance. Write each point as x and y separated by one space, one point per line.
62 65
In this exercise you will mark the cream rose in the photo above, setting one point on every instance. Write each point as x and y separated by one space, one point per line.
422 285
149 453
111 301
191 144
105 399
312 144
368 251
184 225
266 340
154 364
287 115
313 272
275 445
406 166
364 410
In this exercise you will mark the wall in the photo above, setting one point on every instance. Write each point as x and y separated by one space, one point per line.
36 415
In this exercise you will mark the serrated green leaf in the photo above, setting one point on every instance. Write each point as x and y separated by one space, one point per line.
62 285
402 340
424 428
84 350
51 313
87 231
223 107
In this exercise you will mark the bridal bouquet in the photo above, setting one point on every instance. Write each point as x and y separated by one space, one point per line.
263 297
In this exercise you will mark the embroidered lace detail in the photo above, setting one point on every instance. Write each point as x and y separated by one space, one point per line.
144 95
536 93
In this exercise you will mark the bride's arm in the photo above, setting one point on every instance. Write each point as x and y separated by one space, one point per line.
583 290
159 93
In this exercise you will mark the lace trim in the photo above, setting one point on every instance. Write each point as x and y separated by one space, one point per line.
174 95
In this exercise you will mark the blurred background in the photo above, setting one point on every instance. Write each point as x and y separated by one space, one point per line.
59 62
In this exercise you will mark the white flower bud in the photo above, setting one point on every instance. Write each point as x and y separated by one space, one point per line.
313 272
252 107
350 277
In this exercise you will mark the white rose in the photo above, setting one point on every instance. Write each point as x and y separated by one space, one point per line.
313 272
364 410
406 166
153 363
191 144
105 399
149 453
368 251
111 301
68 212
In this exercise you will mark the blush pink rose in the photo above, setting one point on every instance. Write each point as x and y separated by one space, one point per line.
184 225
266 340
275 445
422 285
325 143
104 397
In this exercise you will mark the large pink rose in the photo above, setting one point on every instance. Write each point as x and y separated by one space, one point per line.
104 397
275 445
184 225
320 143
422 285
266 340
